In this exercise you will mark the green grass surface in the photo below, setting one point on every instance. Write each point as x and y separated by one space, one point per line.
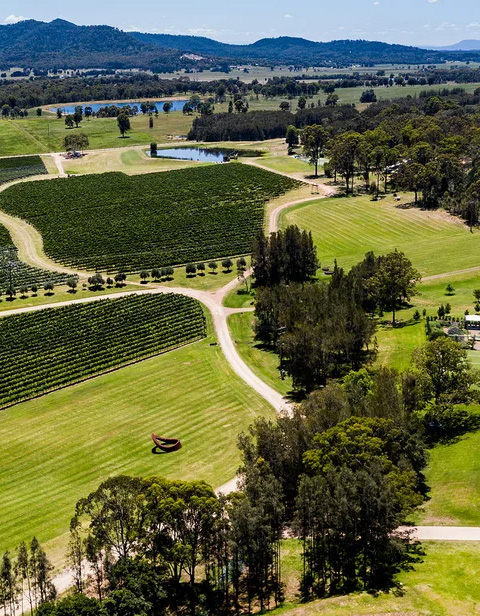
444 584
35 135
287 164
396 344
454 476
264 362
58 448
346 228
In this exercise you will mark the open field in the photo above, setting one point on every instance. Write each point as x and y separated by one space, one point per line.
445 584
59 447
454 474
45 134
149 220
346 228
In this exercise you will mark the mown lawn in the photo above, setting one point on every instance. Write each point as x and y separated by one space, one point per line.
444 584
396 344
287 164
454 476
263 361
346 228
59 447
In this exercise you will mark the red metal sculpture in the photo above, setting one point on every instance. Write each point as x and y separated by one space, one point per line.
165 444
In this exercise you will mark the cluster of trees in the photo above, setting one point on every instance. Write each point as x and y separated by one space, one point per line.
76 141
284 257
350 461
153 546
322 329
13 112
43 91
25 579
429 146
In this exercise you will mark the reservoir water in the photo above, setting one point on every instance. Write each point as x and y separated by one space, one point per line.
68 109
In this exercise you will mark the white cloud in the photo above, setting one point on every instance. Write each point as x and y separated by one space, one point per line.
14 19
288 16
446 25
474 24
432 1
376 3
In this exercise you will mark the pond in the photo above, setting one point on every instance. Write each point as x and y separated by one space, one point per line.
68 109
203 155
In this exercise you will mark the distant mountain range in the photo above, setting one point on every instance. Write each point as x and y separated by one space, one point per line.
467 45
61 44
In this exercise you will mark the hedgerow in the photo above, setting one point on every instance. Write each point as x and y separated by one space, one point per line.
22 274
115 222
19 167
44 350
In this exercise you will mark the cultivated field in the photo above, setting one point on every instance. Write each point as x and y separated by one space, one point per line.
21 273
88 339
116 222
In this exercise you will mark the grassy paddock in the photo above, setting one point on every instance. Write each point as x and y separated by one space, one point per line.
444 584
454 474
34 135
59 447
346 228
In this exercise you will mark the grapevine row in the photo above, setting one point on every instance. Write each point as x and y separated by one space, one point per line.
21 274
45 350
115 222
19 167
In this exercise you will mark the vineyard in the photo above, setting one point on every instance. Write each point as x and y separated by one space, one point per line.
20 167
116 222
19 274
45 350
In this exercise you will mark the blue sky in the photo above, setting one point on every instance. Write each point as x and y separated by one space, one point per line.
421 22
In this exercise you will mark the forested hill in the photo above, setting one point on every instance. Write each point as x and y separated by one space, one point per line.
288 50
61 44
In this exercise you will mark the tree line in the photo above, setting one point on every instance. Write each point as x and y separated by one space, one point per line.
259 125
